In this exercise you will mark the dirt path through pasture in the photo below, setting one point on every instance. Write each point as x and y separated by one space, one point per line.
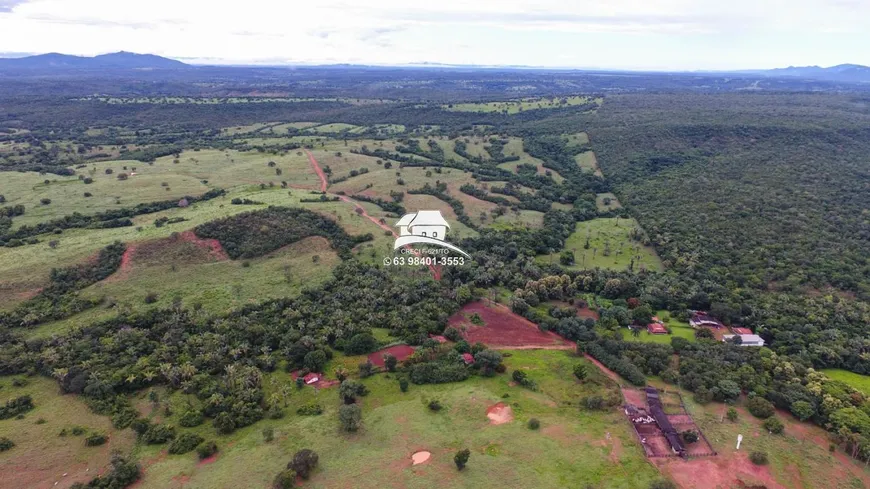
436 269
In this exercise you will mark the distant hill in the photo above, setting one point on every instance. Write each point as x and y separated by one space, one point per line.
844 72
65 62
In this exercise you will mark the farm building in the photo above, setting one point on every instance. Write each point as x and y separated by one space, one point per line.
701 318
656 328
311 378
664 424
745 339
737 330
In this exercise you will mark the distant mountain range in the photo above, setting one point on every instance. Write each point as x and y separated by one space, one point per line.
59 63
843 73
66 62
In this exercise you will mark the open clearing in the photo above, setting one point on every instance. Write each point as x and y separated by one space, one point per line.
587 161
516 106
857 381
502 328
610 246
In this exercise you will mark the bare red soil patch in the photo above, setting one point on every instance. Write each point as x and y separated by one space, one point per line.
503 329
320 384
499 413
734 470
212 245
401 352
185 248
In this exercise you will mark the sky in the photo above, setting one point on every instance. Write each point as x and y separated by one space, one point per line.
603 34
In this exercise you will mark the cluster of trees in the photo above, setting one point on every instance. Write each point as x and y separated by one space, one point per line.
15 407
255 233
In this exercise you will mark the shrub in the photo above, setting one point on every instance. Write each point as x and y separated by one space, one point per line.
19 382
184 443
360 344
45 201
191 418
581 371
758 458
151 297
434 405
14 407
310 409
690 436
662 484
88 194
95 440
760 407
403 384
122 474
593 403
461 458
452 334
704 334
268 434
88 180
350 416
349 390
6 444
122 176
304 461
158 434
522 379
224 423
731 414
534 424
109 171
286 479
206 449
773 425
390 362
366 369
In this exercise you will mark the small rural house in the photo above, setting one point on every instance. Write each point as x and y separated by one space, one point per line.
746 339
656 327
311 378
701 318
429 224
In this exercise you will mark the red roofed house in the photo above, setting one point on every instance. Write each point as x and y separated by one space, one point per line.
468 358
311 378
438 338
741 331
656 328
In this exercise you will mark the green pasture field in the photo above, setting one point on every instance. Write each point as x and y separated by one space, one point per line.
603 204
573 447
576 139
602 231
516 106
587 161
331 128
515 148
679 329
856 381
227 100
162 180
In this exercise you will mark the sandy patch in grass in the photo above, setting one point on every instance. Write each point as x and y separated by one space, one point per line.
420 457
500 413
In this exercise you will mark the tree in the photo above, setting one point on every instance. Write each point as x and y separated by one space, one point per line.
773 425
704 334
642 315
760 407
304 461
224 423
581 371
350 389
461 458
566 258
803 410
635 331
350 416
315 360
390 362
690 436
731 414
534 424
758 458
366 369
361 343
286 479
488 361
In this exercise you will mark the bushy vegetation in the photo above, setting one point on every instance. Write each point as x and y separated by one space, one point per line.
15 407
123 473
255 233
184 443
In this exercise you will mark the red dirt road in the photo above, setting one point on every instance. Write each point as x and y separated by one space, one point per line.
504 329
401 352
436 270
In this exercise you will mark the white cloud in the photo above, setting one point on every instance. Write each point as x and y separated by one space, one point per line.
401 31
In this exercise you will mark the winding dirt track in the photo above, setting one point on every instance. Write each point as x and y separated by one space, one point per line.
436 270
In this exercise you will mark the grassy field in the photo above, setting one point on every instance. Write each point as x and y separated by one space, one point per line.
607 201
679 329
588 162
40 457
573 447
604 234
516 106
857 381
576 139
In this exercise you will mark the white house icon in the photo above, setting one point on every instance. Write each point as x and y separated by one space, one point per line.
430 224
424 227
